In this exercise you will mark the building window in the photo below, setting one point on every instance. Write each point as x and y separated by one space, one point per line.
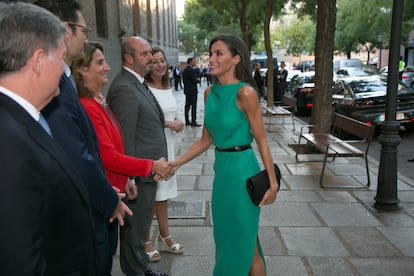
101 18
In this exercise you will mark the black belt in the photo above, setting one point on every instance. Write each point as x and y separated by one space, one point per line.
233 149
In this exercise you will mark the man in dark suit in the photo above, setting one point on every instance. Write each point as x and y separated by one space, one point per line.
280 82
190 80
48 227
258 79
73 129
177 77
142 122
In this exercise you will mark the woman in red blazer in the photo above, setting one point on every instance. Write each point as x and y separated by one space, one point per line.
90 74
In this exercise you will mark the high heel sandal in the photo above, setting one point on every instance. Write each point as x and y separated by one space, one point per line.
154 255
175 248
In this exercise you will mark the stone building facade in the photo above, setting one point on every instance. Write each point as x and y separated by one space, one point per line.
114 20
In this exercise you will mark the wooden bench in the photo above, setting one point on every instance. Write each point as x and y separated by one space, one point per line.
287 108
333 146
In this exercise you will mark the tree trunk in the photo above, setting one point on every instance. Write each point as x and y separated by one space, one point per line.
268 47
243 23
324 46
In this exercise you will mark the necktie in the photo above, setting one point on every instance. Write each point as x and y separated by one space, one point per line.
45 125
148 90
150 93
157 105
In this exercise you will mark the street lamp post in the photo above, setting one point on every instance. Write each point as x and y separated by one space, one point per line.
387 193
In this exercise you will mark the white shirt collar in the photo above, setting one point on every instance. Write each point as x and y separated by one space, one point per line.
22 102
68 72
138 76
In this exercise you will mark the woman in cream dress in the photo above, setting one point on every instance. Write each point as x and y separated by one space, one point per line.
158 82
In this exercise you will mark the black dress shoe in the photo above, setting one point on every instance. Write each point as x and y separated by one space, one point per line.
411 160
150 272
188 123
195 125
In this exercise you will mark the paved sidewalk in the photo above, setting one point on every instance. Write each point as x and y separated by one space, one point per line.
308 231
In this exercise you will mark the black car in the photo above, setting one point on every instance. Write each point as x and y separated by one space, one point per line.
301 87
363 98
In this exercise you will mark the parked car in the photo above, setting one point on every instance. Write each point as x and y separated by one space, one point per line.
263 62
291 74
384 70
345 72
305 66
301 87
364 98
338 64
408 77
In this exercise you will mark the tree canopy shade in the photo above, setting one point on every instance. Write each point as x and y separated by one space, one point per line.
300 36
369 25
200 23
353 36
249 15
252 17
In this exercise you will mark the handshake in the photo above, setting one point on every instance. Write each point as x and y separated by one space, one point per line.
163 170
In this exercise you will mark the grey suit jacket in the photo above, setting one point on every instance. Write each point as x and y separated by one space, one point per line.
142 121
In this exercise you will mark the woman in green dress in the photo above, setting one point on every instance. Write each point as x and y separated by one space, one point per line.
232 119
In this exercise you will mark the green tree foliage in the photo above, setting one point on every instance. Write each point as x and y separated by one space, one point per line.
304 8
200 23
240 17
299 36
361 23
368 24
249 15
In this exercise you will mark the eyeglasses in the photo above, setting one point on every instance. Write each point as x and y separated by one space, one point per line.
85 30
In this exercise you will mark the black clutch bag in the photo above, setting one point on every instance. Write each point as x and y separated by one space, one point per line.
258 184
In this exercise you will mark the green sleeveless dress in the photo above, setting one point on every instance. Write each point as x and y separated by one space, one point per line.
235 217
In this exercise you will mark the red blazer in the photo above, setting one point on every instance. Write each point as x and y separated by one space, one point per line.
118 166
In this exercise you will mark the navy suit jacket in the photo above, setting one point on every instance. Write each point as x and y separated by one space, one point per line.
47 222
73 129
190 80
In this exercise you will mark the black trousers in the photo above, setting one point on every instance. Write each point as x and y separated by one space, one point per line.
190 102
113 244
177 81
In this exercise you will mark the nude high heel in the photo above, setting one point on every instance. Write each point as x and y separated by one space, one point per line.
154 255
175 248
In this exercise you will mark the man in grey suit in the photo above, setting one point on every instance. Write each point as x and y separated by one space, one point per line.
142 122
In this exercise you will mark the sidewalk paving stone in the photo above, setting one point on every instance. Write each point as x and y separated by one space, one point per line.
312 241
383 267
